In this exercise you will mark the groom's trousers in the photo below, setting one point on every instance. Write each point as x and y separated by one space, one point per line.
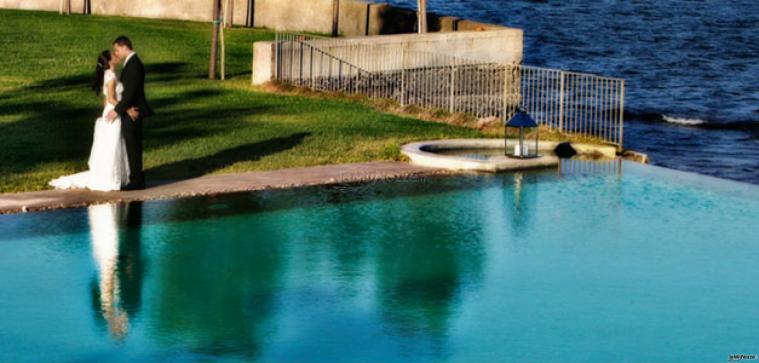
132 132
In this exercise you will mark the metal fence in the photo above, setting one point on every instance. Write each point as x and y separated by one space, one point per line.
569 102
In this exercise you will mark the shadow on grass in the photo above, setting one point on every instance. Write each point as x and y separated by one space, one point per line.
46 131
192 168
56 131
164 103
170 128
156 72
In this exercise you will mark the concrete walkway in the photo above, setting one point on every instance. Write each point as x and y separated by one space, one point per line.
215 184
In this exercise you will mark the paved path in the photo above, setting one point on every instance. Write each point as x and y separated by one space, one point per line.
215 184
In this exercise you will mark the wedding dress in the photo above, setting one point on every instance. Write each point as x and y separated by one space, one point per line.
108 163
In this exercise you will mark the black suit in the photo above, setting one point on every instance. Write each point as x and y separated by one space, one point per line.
133 79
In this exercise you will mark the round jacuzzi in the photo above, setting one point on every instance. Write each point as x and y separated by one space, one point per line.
493 155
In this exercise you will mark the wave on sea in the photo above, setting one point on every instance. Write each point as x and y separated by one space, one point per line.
751 125
683 120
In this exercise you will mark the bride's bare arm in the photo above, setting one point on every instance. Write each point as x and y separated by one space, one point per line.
111 97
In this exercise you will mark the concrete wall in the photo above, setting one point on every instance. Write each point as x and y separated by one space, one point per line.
357 17
497 46
47 5
385 52
263 62
193 10
199 10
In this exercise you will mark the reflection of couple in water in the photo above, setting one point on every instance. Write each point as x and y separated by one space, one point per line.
117 254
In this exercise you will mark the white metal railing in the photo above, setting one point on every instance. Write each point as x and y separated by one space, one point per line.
570 102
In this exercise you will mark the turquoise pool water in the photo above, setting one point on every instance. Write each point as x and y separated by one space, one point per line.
594 262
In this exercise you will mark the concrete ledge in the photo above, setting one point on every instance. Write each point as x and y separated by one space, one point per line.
216 184
424 154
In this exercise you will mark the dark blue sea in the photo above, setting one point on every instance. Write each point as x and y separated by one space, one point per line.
692 69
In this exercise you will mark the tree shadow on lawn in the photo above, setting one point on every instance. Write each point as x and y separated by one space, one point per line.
166 129
163 103
61 132
193 168
157 72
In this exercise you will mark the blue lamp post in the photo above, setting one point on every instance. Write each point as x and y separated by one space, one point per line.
521 120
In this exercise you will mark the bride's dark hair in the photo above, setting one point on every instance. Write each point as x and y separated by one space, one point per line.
104 63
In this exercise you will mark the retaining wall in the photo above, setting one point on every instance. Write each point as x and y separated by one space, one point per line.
356 17
503 46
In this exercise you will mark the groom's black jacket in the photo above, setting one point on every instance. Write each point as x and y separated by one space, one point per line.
133 79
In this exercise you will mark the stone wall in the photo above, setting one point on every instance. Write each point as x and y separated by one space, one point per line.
356 17
504 46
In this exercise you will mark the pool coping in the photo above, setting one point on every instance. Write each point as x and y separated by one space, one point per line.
11 203
423 154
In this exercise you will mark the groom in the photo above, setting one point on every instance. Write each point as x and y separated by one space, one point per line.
133 109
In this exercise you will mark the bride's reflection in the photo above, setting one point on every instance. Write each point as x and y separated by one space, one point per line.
116 251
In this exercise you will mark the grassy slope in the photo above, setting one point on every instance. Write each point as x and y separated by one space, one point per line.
47 110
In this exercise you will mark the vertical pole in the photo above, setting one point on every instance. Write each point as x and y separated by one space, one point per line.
610 109
340 75
505 100
230 13
223 51
214 40
505 140
277 56
452 103
403 75
537 140
221 39
622 115
422 16
291 67
300 66
335 17
311 65
250 16
321 70
358 69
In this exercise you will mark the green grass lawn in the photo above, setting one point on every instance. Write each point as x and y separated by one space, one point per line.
47 109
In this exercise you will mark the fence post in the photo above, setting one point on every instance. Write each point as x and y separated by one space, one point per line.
300 74
357 51
293 50
276 56
506 94
622 115
340 75
452 105
403 75
561 102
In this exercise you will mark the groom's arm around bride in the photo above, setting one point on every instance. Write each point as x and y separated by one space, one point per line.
133 80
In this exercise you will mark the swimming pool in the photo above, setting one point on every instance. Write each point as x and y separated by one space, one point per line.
593 261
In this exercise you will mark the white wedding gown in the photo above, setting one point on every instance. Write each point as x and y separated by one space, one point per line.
108 163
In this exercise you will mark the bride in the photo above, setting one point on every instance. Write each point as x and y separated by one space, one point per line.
108 163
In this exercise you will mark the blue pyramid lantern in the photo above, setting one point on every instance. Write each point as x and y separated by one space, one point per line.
522 120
